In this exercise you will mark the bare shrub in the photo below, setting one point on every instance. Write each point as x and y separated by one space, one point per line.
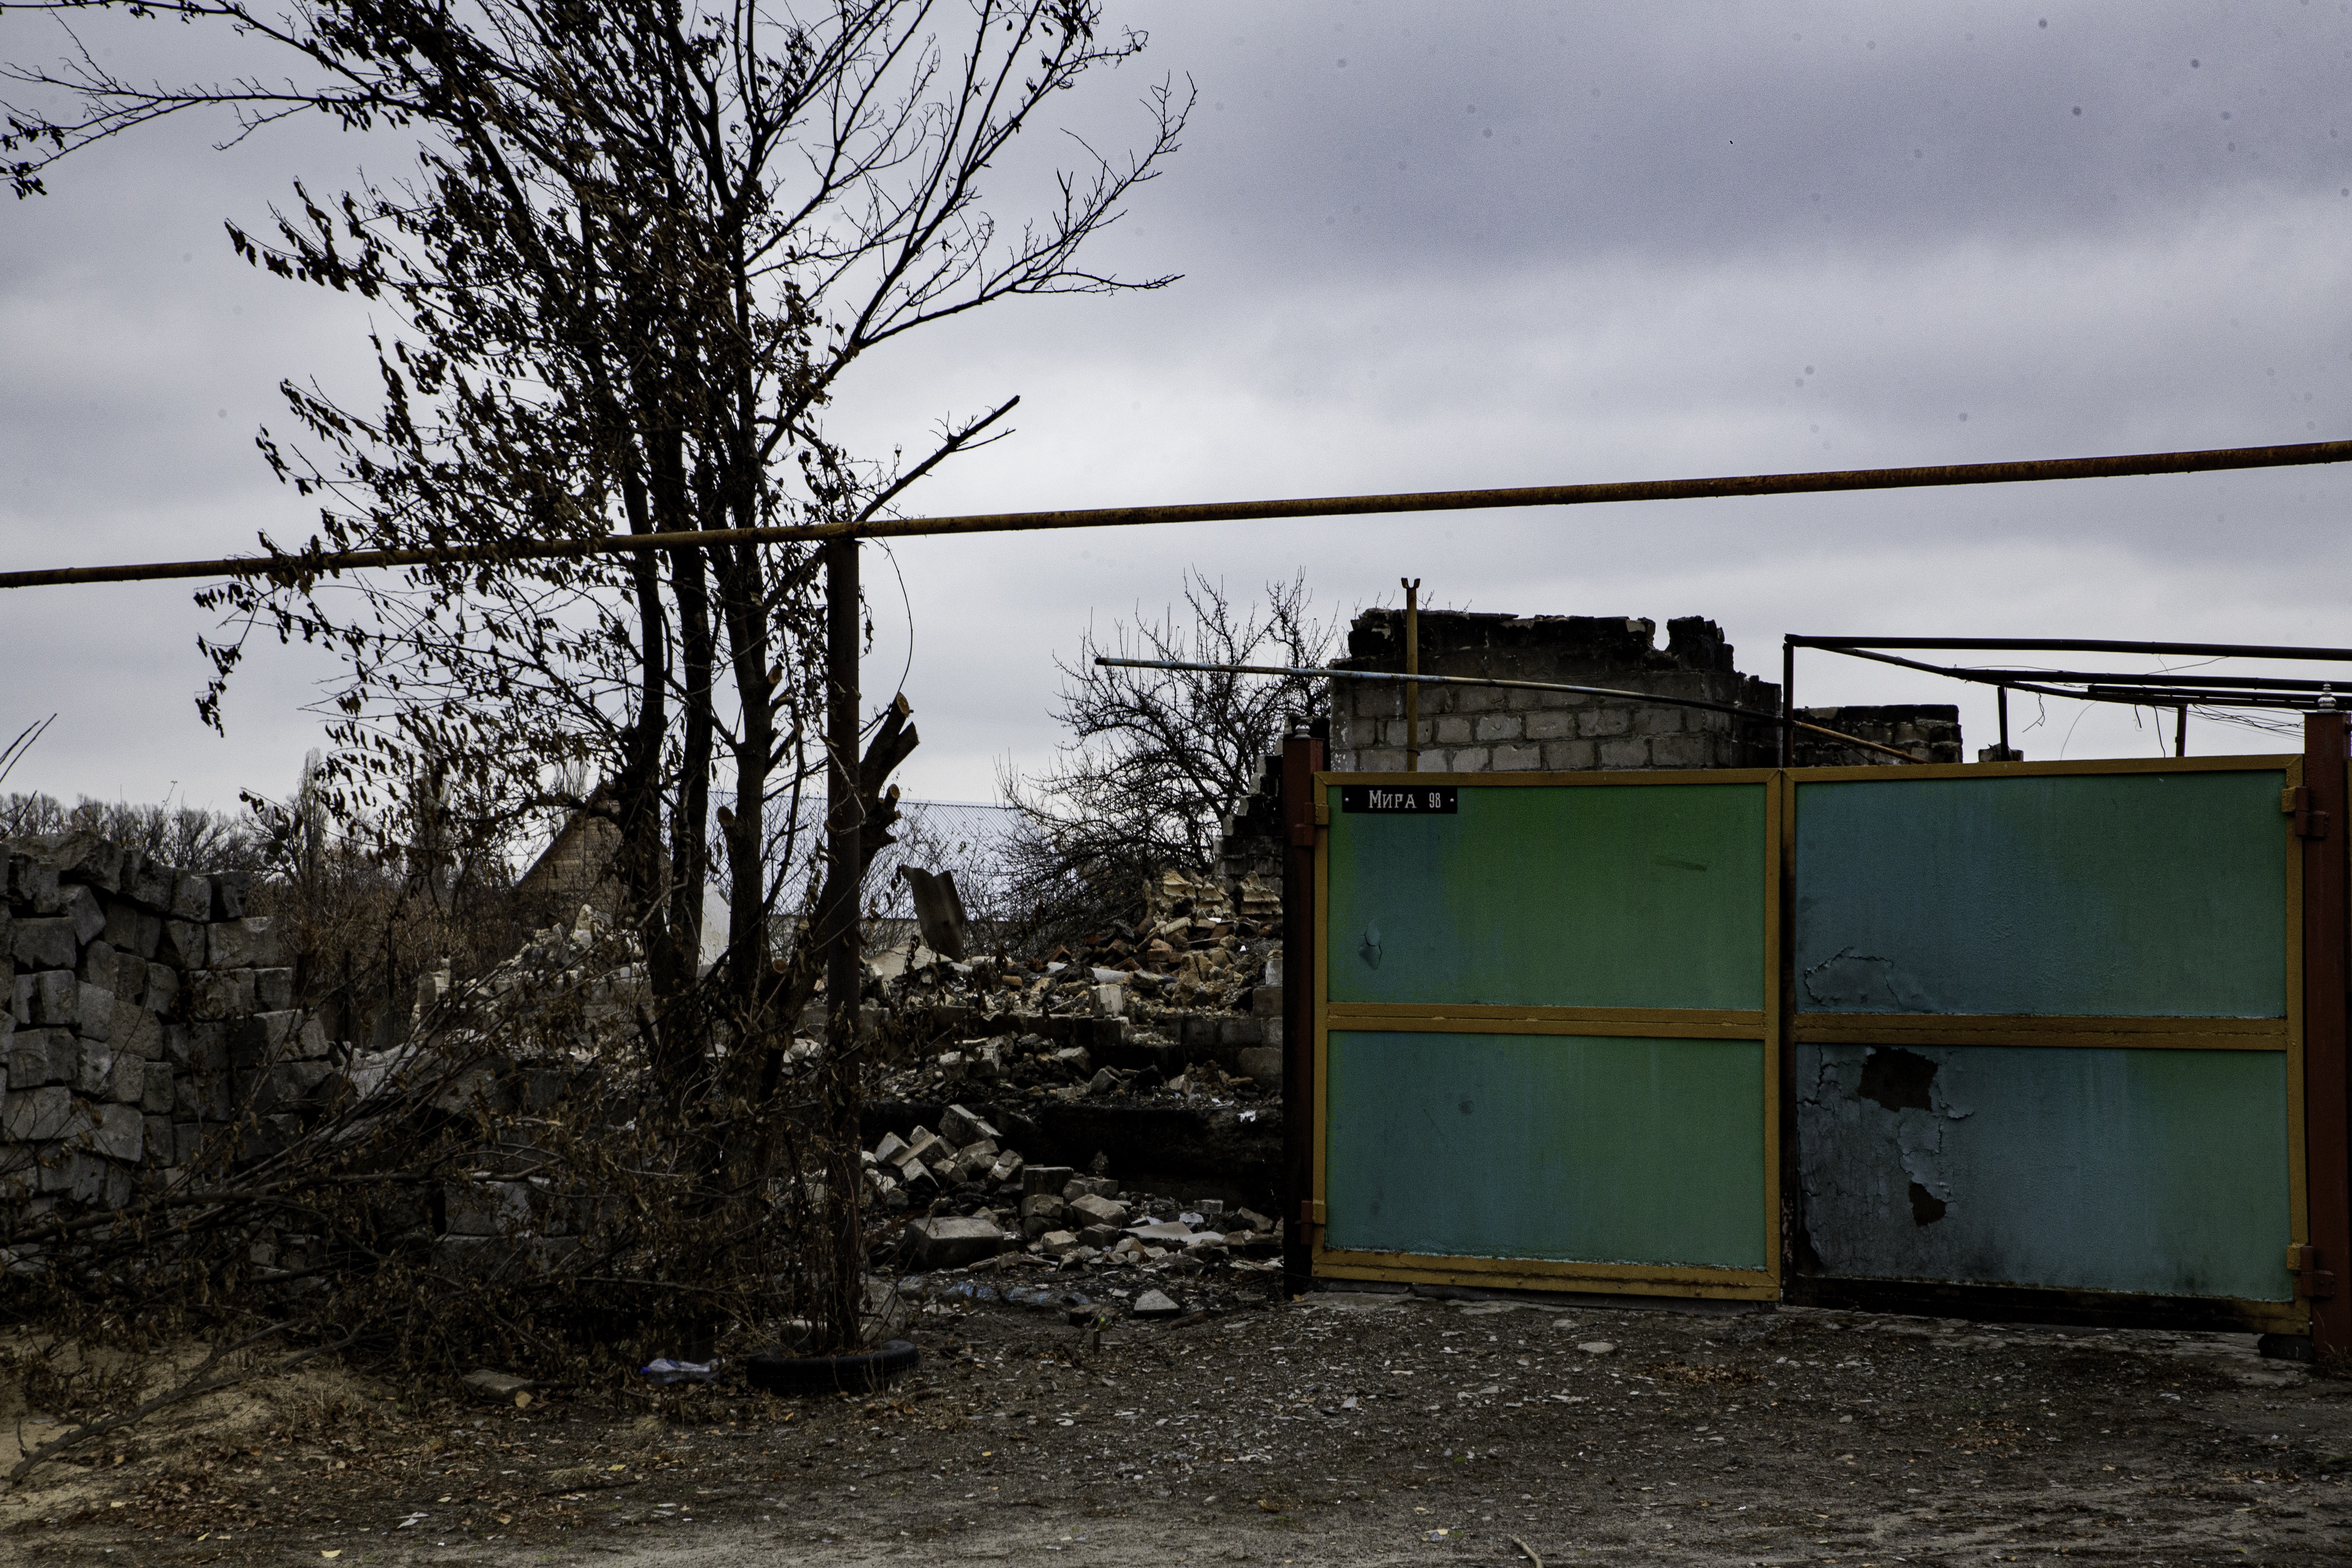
1156 758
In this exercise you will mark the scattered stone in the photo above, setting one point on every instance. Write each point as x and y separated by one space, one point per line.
1099 1210
498 1386
951 1243
1049 1179
1596 1347
1155 1304
961 1127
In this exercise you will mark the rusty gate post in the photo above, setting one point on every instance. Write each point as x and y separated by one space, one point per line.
1302 759
2323 1276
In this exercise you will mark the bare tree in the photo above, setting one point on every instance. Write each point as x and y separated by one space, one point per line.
177 835
644 243
1156 758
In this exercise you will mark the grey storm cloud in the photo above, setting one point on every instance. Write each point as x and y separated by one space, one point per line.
1420 246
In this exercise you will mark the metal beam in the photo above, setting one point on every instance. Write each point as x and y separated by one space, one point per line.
2152 690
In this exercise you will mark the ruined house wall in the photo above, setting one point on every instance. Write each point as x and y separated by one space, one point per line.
1250 843
1929 731
1464 730
147 1015
576 870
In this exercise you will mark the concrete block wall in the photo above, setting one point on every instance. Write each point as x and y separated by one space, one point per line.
1497 730
148 1018
1928 731
1250 842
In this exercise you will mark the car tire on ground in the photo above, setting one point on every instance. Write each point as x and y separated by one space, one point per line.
859 1374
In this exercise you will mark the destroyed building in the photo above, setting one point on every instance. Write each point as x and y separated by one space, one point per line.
1469 729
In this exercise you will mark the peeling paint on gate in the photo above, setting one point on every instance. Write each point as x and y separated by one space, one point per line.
2163 1172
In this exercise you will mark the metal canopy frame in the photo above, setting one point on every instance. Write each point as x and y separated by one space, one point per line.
2179 690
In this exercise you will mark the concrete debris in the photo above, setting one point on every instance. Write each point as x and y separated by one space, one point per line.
980 1206
1153 1304
498 1386
950 1243
939 910
1181 1003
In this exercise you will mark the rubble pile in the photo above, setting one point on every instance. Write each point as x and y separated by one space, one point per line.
587 978
1183 1005
980 1206
1034 1066
1195 943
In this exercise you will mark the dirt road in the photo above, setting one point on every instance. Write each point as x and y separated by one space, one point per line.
1355 1429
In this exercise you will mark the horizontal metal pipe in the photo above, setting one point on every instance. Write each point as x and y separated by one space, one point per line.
2018 680
2073 645
1325 673
2132 690
2181 681
303 565
2172 697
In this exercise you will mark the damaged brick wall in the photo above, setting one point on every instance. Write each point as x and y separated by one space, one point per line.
147 1015
1464 730
1929 731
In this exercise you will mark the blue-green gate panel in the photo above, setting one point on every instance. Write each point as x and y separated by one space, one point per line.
2149 1171
1567 1148
2147 895
1618 896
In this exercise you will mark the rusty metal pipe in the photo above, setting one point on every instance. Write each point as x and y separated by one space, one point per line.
302 566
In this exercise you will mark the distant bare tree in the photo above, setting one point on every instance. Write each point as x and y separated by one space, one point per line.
1156 758
176 835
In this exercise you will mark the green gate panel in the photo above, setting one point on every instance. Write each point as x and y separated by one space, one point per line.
1567 1148
2162 1172
2145 895
1597 896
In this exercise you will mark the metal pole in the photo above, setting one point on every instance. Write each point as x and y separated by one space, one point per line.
1788 703
1302 759
841 813
842 968
302 566
2000 696
2324 1274
1412 666
2180 732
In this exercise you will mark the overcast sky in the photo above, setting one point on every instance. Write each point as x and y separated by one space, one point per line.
1423 247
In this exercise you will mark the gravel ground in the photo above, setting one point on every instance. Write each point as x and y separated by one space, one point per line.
1344 1428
